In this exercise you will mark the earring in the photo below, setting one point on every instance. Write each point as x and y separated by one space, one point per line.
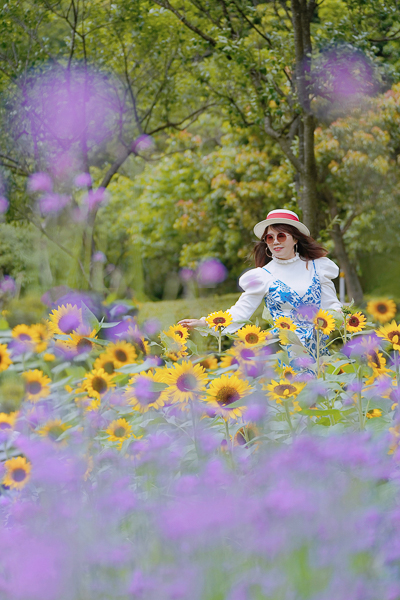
266 252
295 248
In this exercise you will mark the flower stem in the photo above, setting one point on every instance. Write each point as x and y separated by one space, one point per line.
228 441
318 358
345 329
288 418
219 340
192 414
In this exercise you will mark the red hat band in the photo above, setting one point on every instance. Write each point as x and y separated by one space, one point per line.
279 215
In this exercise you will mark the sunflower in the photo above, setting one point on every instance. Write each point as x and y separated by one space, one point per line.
377 362
97 383
37 385
7 420
178 333
355 322
5 360
288 373
122 353
53 429
246 434
219 320
143 395
65 319
185 381
285 323
382 310
284 390
26 334
224 391
209 362
79 342
391 333
252 335
373 413
106 362
17 472
324 321
134 335
119 431
43 335
175 356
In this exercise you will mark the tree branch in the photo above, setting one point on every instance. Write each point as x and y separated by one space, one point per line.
165 4
265 37
284 143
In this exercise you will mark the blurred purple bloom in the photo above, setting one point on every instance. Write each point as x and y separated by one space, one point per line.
151 327
186 274
53 203
4 204
211 272
8 286
83 180
99 257
95 197
143 142
256 411
307 311
40 182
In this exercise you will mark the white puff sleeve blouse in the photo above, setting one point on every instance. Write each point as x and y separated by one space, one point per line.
296 273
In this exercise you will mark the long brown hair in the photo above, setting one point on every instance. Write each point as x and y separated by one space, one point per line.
307 247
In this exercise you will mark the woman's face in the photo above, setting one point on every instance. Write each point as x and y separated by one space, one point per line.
280 244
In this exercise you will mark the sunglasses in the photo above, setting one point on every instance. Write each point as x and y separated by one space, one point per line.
281 237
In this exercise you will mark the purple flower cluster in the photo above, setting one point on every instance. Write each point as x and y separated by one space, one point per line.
316 519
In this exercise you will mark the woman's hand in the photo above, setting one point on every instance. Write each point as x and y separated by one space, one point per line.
191 323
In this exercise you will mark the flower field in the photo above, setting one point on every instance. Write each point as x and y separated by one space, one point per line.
134 467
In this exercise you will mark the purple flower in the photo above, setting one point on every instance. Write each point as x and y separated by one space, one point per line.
83 180
4 204
99 257
40 182
53 203
95 197
151 327
7 286
211 272
186 274
143 142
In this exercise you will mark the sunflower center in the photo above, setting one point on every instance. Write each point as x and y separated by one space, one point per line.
5 425
321 322
251 338
99 384
284 326
178 332
394 336
227 395
119 431
121 355
19 475
186 383
240 437
33 387
84 345
354 321
55 431
24 337
382 308
108 367
205 363
284 389
219 320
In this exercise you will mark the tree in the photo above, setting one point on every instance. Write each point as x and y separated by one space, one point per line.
266 62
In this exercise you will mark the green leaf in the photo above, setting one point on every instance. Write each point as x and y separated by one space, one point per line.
89 317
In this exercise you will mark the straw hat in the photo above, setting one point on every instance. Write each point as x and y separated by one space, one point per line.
281 216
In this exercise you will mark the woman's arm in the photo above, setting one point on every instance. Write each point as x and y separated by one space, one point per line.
327 270
255 286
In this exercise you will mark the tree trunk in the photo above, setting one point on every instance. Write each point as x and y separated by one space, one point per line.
353 285
302 13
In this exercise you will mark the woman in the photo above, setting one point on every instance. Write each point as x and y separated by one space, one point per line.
292 276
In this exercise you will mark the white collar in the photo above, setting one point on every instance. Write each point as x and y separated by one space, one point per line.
288 261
